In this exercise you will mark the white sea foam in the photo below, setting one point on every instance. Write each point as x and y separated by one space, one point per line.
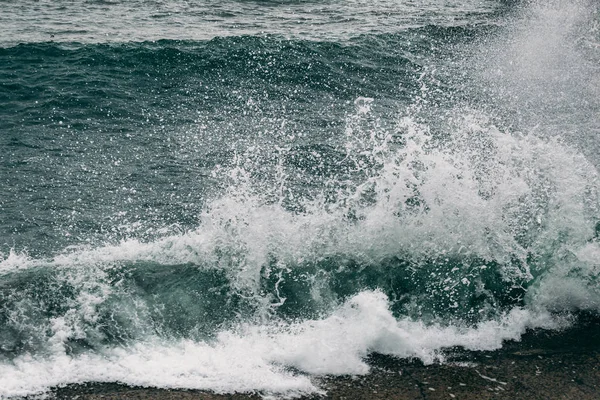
14 261
258 357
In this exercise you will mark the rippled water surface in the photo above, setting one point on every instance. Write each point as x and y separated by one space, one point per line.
140 20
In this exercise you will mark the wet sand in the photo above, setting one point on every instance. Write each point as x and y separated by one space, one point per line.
543 365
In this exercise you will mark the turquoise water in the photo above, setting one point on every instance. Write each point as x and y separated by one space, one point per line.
248 195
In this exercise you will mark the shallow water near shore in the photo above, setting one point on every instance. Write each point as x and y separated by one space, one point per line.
269 197
542 365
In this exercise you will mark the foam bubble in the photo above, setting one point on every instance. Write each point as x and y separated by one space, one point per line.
14 261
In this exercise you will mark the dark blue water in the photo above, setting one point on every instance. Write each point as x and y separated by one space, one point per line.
245 195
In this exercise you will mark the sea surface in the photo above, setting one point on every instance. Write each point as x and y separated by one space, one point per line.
247 195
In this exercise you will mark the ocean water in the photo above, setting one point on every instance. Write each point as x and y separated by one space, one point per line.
247 195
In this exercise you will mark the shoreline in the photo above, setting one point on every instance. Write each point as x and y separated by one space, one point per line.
543 365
